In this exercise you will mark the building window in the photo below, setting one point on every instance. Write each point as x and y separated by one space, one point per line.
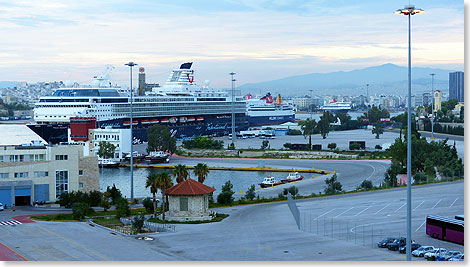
21 175
41 174
16 158
4 175
80 185
61 157
1 159
183 204
61 182
80 172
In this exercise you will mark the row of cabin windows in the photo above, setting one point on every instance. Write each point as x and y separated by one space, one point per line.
21 158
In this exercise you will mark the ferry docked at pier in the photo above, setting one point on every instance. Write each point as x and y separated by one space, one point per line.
265 111
335 107
188 109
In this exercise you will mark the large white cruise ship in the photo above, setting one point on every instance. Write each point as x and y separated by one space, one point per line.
186 108
335 107
265 111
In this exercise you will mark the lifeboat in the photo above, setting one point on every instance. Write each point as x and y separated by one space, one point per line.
164 120
145 122
183 119
154 121
173 119
126 123
134 123
191 119
200 119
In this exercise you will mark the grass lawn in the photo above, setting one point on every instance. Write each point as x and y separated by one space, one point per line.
69 216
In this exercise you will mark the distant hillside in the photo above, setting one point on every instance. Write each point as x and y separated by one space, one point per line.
8 84
383 79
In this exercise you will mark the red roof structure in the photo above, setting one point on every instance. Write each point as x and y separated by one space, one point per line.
189 187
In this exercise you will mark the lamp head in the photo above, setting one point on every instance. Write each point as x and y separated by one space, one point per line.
409 10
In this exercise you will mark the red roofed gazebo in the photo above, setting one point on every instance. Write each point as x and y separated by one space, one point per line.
189 201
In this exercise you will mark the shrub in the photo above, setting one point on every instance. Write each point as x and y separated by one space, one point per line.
138 222
332 185
354 146
287 145
95 198
265 144
366 185
294 132
114 194
379 147
231 146
332 145
203 142
292 190
105 204
148 204
420 177
250 194
80 210
122 208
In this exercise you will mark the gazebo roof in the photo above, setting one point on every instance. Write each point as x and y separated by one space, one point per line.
189 187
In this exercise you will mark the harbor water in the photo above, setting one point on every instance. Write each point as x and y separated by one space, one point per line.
241 180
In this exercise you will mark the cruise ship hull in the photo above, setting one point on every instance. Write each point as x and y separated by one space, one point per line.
213 125
269 120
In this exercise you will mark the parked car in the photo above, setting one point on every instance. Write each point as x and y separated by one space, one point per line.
451 254
435 253
414 246
419 252
458 257
395 245
385 242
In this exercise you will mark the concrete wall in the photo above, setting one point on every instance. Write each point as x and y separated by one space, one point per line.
91 177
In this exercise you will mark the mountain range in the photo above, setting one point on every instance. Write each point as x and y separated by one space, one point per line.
384 79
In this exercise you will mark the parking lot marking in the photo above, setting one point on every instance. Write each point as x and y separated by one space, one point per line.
383 208
343 212
420 226
12 222
437 203
324 214
362 211
400 207
453 203
419 205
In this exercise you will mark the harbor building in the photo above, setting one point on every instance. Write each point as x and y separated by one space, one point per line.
456 85
31 170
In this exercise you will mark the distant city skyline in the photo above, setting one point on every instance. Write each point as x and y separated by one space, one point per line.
258 40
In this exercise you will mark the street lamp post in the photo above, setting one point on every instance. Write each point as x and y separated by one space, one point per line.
432 105
409 10
131 64
367 96
233 108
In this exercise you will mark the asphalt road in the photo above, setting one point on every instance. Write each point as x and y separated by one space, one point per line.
251 233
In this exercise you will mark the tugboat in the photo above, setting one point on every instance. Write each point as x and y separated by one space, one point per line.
292 177
157 157
269 182
108 163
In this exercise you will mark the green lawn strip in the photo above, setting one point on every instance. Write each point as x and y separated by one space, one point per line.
219 217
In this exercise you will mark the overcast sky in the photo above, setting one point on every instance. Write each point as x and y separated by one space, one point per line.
259 40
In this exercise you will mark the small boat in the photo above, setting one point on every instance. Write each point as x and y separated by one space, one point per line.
183 119
108 163
157 157
200 119
145 122
173 119
269 182
134 123
191 119
154 121
126 123
164 120
292 177
137 157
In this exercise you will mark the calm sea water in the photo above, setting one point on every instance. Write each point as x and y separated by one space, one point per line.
316 116
241 180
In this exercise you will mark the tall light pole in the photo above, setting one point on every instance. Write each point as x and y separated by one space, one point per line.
131 64
311 104
432 105
367 85
409 10
233 108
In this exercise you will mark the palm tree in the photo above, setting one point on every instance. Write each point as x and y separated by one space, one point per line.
163 182
151 182
308 129
181 173
201 171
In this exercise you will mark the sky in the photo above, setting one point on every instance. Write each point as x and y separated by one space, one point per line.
258 40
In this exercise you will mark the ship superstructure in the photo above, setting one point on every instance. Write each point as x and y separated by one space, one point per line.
186 108
265 111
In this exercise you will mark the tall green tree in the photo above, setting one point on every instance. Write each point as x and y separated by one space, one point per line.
159 138
375 114
377 130
106 150
333 186
323 127
181 173
308 129
201 171
151 183
163 182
